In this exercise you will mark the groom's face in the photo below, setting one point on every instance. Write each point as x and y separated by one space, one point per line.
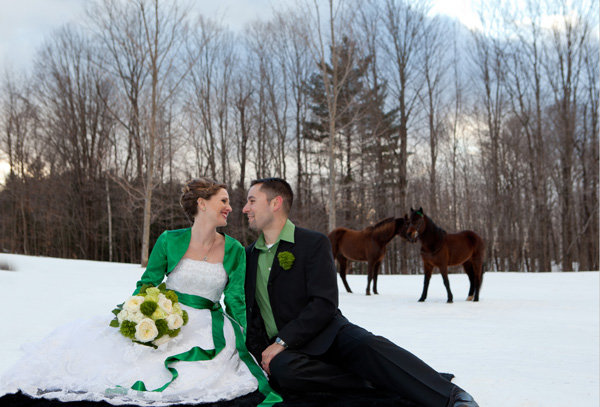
258 208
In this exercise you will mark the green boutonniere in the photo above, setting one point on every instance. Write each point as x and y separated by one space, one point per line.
286 260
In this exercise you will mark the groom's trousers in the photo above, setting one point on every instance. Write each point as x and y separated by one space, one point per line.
358 359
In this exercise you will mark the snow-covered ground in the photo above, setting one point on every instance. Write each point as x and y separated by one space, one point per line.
532 340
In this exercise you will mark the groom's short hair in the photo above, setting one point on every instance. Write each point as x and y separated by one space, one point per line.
273 187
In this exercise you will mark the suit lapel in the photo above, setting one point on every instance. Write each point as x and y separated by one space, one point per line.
251 269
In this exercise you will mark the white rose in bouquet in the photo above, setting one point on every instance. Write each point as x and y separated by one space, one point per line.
165 303
146 330
161 340
136 317
123 315
174 321
133 303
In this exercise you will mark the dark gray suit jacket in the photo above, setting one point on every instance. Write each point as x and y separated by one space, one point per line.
304 298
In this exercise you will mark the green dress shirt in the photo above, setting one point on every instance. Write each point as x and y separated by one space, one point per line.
265 261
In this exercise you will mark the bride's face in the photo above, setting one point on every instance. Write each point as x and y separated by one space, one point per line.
216 208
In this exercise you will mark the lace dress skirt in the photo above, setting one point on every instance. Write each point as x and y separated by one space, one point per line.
88 360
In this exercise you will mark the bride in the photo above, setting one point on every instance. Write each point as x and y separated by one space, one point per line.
88 360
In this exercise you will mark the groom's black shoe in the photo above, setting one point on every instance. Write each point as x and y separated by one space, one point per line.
461 398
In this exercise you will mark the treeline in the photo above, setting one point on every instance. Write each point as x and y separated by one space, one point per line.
366 107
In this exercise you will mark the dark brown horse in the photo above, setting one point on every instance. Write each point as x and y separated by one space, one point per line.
367 245
440 249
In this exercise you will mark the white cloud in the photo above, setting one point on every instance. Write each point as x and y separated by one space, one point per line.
462 10
24 24
237 13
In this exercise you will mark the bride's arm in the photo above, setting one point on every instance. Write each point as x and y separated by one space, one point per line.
157 264
235 298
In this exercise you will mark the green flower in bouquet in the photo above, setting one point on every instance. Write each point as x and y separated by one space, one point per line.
128 329
162 326
148 307
172 296
158 314
152 294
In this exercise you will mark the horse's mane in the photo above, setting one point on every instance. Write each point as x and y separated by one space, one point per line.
384 230
437 231
382 222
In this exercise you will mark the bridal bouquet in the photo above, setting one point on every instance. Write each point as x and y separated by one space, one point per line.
150 318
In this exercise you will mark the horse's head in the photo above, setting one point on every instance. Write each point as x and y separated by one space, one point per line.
402 227
416 224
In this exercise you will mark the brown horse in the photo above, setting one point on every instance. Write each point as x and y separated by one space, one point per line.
440 249
367 245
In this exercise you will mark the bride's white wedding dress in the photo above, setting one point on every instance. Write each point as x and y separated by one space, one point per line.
88 360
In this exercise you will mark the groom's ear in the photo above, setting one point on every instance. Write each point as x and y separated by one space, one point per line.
277 203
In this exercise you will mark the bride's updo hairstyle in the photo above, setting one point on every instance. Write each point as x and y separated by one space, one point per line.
197 188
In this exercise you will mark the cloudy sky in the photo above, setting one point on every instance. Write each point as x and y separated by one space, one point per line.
25 23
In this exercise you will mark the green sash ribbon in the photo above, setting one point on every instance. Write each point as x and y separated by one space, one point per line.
196 353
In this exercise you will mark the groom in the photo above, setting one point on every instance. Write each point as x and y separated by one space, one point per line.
295 328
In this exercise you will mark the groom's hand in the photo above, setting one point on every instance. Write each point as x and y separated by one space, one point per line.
268 354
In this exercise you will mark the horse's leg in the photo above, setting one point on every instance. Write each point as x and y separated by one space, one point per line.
428 268
478 273
369 277
468 267
375 273
444 272
343 267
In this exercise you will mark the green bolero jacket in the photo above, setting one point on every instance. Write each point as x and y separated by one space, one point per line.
170 248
